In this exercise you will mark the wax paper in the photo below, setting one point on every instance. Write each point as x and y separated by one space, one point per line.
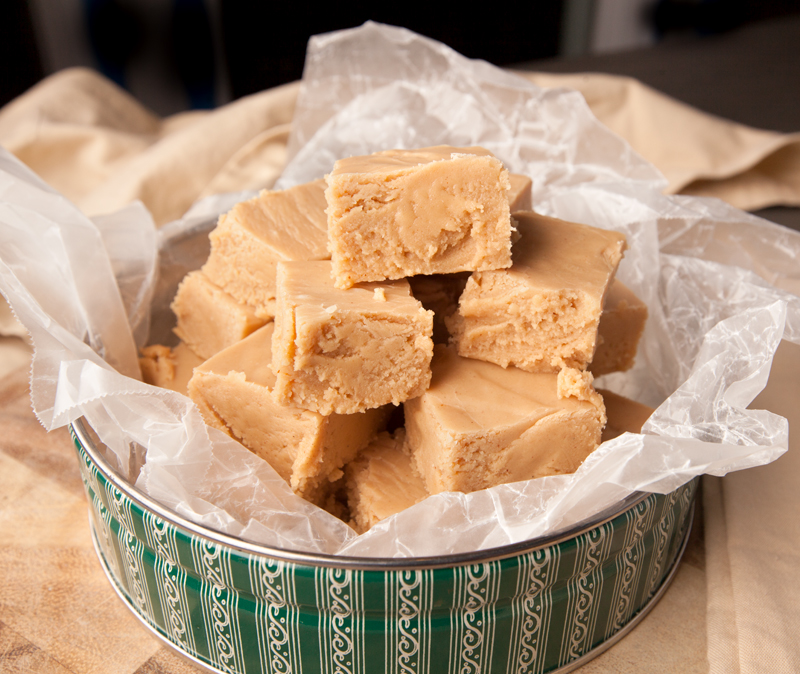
720 286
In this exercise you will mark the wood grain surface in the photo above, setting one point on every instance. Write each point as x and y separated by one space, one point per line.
59 614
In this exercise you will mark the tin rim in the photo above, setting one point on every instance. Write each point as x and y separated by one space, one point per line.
345 561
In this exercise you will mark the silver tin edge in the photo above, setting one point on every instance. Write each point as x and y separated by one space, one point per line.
342 561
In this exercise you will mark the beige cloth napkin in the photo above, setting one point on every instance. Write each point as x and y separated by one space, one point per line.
753 547
698 153
102 149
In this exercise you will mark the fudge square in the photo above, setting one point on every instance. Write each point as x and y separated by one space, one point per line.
345 351
168 368
234 393
254 235
542 314
435 210
621 326
382 481
520 196
624 415
480 425
208 318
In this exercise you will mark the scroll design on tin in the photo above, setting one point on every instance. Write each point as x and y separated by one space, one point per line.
587 589
409 595
472 640
173 604
340 595
631 559
272 584
534 606
217 610
661 536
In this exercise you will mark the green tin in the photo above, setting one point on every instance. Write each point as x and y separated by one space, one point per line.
545 605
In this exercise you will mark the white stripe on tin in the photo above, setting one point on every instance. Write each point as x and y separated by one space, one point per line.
472 618
340 597
532 610
102 520
170 581
274 587
220 615
409 602
629 565
131 552
661 535
583 590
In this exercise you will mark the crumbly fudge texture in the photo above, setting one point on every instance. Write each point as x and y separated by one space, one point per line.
234 393
251 238
168 368
349 350
439 293
624 415
208 318
520 196
479 425
404 212
621 327
543 313
382 481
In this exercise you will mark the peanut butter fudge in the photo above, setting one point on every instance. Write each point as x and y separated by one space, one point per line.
168 368
349 350
621 327
479 425
439 293
234 393
543 313
520 197
404 212
253 236
382 481
209 319
624 415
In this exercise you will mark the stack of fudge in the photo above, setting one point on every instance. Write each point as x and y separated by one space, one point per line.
413 280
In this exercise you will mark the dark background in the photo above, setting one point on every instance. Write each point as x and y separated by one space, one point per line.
217 50
738 59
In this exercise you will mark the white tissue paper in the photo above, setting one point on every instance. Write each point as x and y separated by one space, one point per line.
721 287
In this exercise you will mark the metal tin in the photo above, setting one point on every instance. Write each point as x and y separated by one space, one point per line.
545 605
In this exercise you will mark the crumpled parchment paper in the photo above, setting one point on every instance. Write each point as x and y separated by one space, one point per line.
720 286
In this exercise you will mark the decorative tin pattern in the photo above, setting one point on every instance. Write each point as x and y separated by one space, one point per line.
248 613
276 615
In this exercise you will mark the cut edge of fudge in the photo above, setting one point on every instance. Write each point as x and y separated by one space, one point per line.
233 391
400 213
347 350
543 313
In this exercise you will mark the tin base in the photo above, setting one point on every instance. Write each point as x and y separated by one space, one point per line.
572 666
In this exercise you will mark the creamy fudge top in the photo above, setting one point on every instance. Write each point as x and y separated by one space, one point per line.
555 254
252 356
472 395
397 161
310 286
292 222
